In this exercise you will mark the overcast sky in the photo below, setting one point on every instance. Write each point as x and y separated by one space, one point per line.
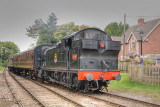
17 15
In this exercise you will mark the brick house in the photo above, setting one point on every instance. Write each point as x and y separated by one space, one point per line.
150 32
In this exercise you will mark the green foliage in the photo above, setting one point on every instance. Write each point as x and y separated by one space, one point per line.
34 30
67 29
148 61
7 49
111 29
63 30
126 85
1 68
51 23
129 59
44 38
43 32
115 29
81 27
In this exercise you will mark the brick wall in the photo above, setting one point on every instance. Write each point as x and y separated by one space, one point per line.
127 47
152 46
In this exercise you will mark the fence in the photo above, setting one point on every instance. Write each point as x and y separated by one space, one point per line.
145 74
123 66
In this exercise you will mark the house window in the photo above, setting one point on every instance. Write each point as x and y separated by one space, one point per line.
132 43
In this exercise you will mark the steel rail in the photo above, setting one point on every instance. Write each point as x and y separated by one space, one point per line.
17 100
131 99
79 93
106 101
65 98
85 95
35 98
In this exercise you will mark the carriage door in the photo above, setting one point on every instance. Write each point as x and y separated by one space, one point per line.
68 45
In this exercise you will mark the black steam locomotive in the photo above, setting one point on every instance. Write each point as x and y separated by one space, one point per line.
86 60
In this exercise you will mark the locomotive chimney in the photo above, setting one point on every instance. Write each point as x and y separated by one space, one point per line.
53 43
140 22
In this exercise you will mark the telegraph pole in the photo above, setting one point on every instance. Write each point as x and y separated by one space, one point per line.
124 35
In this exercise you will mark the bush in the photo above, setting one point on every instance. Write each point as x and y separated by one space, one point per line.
1 68
148 61
129 59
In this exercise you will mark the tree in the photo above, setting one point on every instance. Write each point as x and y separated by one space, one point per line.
115 29
7 49
40 29
44 38
81 27
34 30
51 23
67 29
44 33
31 46
63 30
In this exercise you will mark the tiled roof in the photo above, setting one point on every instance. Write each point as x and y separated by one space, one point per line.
146 28
116 38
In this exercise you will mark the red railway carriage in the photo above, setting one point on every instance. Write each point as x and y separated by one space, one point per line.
24 60
28 62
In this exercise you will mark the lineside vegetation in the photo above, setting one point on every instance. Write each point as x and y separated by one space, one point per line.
128 86
1 68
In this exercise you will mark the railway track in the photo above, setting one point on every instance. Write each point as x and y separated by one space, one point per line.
125 100
133 100
46 92
70 92
82 94
16 98
101 97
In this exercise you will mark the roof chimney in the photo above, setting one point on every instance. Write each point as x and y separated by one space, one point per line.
140 22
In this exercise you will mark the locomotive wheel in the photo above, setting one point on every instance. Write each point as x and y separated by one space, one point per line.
42 78
30 75
18 72
36 75
96 91
64 77
75 83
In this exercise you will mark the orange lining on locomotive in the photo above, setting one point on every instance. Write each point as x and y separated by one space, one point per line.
107 75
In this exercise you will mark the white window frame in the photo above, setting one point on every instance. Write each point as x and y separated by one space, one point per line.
132 43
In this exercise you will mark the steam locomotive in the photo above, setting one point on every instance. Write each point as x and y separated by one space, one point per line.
86 60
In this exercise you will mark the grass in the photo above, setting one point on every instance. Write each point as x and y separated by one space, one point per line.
129 86
1 68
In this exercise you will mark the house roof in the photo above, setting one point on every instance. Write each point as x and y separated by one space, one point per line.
116 38
146 28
